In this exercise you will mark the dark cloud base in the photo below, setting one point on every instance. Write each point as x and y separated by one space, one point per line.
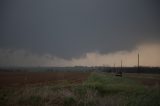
73 28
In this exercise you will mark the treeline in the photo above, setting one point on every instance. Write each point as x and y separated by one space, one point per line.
154 70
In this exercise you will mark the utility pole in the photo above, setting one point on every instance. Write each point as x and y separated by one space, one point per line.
114 69
121 64
138 62
121 69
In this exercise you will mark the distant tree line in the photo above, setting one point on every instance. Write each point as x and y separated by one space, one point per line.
154 70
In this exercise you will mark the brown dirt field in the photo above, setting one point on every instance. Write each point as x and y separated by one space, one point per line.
11 79
16 79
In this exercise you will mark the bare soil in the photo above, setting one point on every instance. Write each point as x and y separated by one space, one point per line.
10 79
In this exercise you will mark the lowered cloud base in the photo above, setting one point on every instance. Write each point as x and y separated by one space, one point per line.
149 56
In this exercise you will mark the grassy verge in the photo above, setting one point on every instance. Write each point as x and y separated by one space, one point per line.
98 90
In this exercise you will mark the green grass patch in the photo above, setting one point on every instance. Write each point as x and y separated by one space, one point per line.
133 93
108 84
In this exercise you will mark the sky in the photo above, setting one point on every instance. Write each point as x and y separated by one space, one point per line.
79 32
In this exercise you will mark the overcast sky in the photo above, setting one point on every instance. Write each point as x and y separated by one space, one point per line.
71 29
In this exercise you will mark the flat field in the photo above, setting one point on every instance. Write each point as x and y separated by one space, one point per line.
16 79
78 89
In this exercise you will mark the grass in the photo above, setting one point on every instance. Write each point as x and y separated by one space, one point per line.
98 90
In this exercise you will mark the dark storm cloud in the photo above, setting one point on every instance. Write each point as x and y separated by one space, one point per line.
71 28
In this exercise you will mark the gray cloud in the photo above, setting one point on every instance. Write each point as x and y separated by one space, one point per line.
72 28
13 57
149 56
